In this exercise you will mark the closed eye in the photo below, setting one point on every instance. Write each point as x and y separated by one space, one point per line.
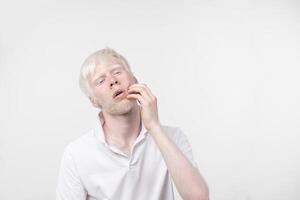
101 81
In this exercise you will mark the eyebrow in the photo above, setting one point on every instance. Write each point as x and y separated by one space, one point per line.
114 68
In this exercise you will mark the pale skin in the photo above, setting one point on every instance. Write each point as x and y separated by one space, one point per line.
123 123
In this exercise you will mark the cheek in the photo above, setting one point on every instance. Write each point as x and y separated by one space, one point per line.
130 80
100 95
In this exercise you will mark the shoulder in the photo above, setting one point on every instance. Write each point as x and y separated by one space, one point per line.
80 143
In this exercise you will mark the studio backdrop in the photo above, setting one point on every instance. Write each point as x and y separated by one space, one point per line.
225 72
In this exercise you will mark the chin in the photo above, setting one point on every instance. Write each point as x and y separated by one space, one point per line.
121 108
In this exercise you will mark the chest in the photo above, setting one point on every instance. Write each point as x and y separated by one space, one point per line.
114 174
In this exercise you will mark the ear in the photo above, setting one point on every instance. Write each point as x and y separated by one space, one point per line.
94 102
135 79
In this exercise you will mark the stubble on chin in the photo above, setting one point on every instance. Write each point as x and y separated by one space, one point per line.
121 107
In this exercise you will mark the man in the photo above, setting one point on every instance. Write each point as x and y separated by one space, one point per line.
128 155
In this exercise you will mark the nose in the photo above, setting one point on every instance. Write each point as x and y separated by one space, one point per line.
114 82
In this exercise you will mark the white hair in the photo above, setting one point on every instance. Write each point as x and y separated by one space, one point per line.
90 63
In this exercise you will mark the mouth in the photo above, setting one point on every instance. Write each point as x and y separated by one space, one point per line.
118 93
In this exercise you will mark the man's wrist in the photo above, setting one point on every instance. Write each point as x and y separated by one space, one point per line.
155 129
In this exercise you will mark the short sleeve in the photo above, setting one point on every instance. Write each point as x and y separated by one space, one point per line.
69 185
184 145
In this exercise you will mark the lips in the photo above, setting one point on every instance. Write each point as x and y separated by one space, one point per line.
118 93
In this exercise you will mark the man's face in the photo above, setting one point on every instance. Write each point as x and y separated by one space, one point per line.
107 81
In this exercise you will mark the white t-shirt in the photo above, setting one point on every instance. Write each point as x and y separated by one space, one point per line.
92 169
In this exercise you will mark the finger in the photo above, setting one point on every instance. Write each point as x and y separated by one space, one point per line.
146 88
140 90
138 97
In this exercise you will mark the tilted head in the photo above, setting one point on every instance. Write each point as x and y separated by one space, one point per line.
104 74
99 57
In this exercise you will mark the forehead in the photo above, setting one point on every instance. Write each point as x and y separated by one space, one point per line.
103 67
108 64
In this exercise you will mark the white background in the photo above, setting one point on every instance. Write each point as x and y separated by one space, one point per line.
226 72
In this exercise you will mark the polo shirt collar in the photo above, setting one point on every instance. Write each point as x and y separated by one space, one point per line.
99 134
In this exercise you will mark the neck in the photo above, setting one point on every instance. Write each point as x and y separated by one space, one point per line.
122 130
